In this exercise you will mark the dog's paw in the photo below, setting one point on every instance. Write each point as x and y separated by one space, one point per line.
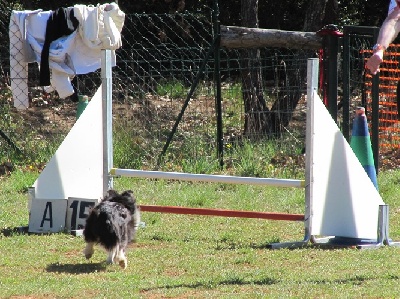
88 251
123 264
88 255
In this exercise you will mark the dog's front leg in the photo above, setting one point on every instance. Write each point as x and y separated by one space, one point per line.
89 250
112 254
122 260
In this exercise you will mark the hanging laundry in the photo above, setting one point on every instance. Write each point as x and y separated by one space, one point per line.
79 52
61 22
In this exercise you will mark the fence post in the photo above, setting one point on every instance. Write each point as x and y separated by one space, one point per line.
372 33
217 83
331 36
375 112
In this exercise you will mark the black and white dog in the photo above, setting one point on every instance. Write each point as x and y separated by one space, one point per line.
113 224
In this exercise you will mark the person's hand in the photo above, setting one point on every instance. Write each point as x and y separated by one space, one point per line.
374 62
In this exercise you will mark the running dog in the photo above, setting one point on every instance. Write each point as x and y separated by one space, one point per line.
113 224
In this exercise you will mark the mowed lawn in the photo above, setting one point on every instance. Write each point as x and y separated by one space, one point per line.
188 256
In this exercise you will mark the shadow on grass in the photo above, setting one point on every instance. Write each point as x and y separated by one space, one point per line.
213 284
11 231
76 268
266 281
356 280
23 230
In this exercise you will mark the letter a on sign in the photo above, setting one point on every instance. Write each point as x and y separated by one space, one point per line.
48 210
47 215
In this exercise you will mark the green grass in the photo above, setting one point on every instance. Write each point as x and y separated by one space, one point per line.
184 256
172 88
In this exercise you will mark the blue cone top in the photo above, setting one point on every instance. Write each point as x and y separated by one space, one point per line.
360 127
361 144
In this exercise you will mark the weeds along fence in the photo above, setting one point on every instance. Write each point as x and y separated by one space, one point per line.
157 65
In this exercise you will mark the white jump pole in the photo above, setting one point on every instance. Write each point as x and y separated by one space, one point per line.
212 178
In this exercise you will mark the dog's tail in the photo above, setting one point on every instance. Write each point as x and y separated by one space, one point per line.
106 231
99 228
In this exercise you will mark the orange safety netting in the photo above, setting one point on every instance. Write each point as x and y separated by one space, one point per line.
389 124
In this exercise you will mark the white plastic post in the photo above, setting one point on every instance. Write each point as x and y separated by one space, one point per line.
106 78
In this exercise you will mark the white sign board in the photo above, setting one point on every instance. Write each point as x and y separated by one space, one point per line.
77 211
47 215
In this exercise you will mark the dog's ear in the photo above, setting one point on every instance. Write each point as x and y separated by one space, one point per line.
128 193
111 193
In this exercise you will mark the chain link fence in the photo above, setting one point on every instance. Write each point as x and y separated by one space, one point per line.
160 61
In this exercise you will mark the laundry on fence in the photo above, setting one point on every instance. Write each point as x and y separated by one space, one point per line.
64 42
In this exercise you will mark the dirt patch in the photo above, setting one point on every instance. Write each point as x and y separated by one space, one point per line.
50 114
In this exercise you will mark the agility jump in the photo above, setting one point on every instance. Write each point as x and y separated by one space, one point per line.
340 200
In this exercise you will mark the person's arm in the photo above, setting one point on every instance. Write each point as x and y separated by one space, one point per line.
388 32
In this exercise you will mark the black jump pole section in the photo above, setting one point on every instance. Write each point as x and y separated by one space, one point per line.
188 97
9 141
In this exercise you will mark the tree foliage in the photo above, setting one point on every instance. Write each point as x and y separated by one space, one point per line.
277 14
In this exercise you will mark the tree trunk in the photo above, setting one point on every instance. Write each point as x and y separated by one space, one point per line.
283 108
255 107
259 119
315 15
331 13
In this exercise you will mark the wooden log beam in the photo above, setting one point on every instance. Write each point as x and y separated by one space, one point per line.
243 37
